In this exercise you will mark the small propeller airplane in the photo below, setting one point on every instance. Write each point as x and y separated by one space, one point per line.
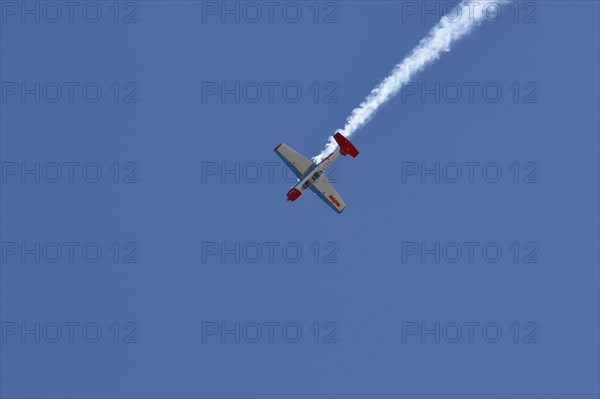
311 175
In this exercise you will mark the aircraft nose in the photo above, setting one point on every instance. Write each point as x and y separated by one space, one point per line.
293 194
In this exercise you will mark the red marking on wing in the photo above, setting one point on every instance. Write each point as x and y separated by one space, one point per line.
334 200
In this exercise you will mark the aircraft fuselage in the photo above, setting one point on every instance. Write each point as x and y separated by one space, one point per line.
312 176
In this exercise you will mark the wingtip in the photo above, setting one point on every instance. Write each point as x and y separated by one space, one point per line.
277 147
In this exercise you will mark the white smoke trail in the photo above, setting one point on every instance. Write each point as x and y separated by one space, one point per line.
453 26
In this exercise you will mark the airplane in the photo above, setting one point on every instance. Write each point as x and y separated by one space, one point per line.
312 176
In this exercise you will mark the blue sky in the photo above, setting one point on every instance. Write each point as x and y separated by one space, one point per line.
159 219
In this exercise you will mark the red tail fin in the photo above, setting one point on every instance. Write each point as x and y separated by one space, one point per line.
346 147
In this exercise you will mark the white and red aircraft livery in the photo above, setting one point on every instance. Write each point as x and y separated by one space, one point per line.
312 175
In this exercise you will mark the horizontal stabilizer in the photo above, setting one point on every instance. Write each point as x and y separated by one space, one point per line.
346 147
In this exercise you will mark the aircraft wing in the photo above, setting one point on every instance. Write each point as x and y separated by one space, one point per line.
324 190
296 162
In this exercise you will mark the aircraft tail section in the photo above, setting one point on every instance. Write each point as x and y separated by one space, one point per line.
346 147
